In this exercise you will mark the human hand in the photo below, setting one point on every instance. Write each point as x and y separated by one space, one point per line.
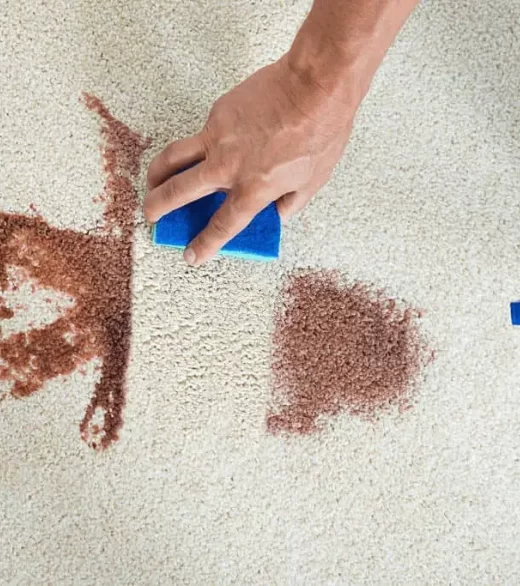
278 135
275 137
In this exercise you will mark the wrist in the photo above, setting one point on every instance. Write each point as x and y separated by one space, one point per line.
339 70
341 44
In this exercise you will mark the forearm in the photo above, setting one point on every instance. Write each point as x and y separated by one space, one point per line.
342 43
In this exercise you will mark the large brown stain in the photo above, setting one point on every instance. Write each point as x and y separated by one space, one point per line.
95 270
341 347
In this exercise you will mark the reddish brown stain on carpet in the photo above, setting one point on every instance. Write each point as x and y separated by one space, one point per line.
93 269
340 347
6 312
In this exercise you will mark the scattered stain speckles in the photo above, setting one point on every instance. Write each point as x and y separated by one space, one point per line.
96 272
341 347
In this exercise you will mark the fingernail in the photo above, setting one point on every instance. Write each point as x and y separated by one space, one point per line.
189 256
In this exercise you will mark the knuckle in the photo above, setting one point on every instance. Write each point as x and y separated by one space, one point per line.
219 227
206 138
150 176
171 153
216 170
240 206
147 208
226 164
204 174
233 159
169 193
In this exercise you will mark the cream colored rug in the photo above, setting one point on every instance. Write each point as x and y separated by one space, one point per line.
173 477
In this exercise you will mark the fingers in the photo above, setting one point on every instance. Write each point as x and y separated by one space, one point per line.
179 190
235 214
174 157
291 203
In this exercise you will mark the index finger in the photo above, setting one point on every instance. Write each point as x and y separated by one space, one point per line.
178 191
173 158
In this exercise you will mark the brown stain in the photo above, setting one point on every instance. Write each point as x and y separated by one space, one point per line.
6 312
340 347
93 269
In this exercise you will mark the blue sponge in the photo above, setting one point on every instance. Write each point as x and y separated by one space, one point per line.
515 313
259 241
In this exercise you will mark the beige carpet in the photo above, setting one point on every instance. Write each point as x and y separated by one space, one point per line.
426 203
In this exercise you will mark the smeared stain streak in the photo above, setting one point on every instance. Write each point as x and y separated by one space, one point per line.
340 347
96 271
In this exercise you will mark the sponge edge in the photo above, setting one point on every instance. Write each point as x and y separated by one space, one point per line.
260 240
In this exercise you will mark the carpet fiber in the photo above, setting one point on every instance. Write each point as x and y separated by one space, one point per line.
182 482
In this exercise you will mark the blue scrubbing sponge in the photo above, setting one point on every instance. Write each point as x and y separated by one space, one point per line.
259 241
